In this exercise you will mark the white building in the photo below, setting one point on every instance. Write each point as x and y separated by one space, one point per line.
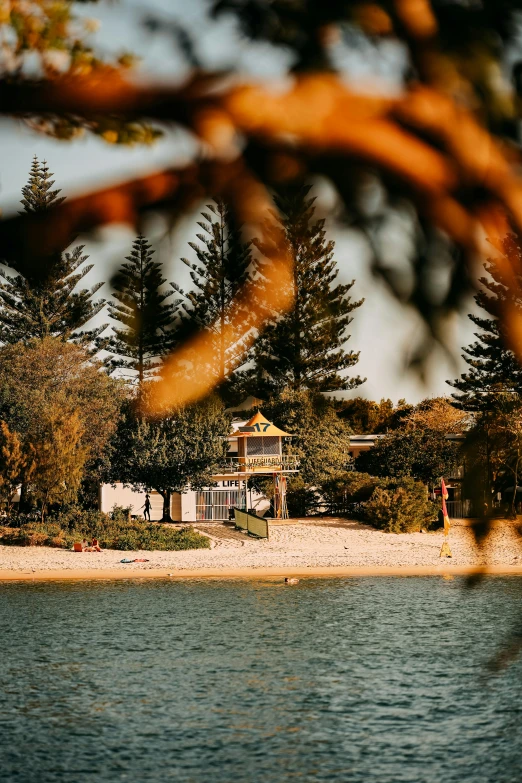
255 447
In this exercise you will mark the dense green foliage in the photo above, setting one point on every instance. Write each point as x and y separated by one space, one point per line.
168 452
394 505
41 300
304 347
348 488
143 310
366 417
63 410
113 531
399 506
320 438
493 450
423 454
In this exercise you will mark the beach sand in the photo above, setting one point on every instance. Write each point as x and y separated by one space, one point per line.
333 547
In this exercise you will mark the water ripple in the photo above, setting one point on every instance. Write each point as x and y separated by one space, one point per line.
346 681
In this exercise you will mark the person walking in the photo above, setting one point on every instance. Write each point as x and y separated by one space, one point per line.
146 506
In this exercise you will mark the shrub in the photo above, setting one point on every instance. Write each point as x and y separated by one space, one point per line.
113 532
302 499
349 488
399 506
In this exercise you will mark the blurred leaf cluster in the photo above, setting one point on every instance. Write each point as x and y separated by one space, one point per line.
421 154
47 39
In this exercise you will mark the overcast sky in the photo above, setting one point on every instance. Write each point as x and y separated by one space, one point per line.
382 330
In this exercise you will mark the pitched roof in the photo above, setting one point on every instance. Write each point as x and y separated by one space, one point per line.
259 425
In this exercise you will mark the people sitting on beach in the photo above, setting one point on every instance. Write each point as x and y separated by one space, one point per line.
94 546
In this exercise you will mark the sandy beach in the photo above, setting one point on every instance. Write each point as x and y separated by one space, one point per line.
312 547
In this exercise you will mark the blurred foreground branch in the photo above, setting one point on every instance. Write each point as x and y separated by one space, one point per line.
428 144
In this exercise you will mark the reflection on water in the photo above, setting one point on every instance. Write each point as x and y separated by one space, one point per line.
332 680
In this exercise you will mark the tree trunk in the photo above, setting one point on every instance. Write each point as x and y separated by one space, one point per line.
222 305
23 498
166 495
489 482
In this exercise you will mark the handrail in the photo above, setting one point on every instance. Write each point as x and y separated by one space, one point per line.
276 462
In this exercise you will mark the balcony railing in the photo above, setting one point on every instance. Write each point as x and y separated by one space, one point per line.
265 464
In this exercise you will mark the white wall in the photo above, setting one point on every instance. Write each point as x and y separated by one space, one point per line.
125 496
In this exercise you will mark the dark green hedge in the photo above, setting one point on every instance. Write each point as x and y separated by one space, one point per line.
112 531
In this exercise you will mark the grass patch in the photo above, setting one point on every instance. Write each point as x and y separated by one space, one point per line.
112 531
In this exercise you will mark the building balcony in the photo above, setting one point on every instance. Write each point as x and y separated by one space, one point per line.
288 463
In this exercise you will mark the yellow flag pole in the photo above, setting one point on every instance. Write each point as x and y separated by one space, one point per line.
445 550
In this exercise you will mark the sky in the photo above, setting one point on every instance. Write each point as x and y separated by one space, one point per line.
383 331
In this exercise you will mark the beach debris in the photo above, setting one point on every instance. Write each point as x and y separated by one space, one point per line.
136 560
291 580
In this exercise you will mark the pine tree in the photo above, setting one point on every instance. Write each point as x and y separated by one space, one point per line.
37 194
224 265
303 348
41 301
142 307
494 367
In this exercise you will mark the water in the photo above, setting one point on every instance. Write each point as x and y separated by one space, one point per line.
370 680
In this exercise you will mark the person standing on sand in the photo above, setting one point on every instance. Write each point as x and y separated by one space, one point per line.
147 507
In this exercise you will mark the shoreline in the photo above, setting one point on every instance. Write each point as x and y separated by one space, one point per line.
442 570
309 549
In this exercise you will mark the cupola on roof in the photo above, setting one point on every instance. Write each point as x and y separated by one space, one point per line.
257 426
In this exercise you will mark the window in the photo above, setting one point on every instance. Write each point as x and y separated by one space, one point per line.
266 445
203 505
215 504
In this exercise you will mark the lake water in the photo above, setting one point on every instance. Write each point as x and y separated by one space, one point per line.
373 680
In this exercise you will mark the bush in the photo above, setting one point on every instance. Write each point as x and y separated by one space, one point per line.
113 532
349 488
399 506
302 500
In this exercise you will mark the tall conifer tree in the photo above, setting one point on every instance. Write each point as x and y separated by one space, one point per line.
494 367
41 301
142 308
304 347
224 264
